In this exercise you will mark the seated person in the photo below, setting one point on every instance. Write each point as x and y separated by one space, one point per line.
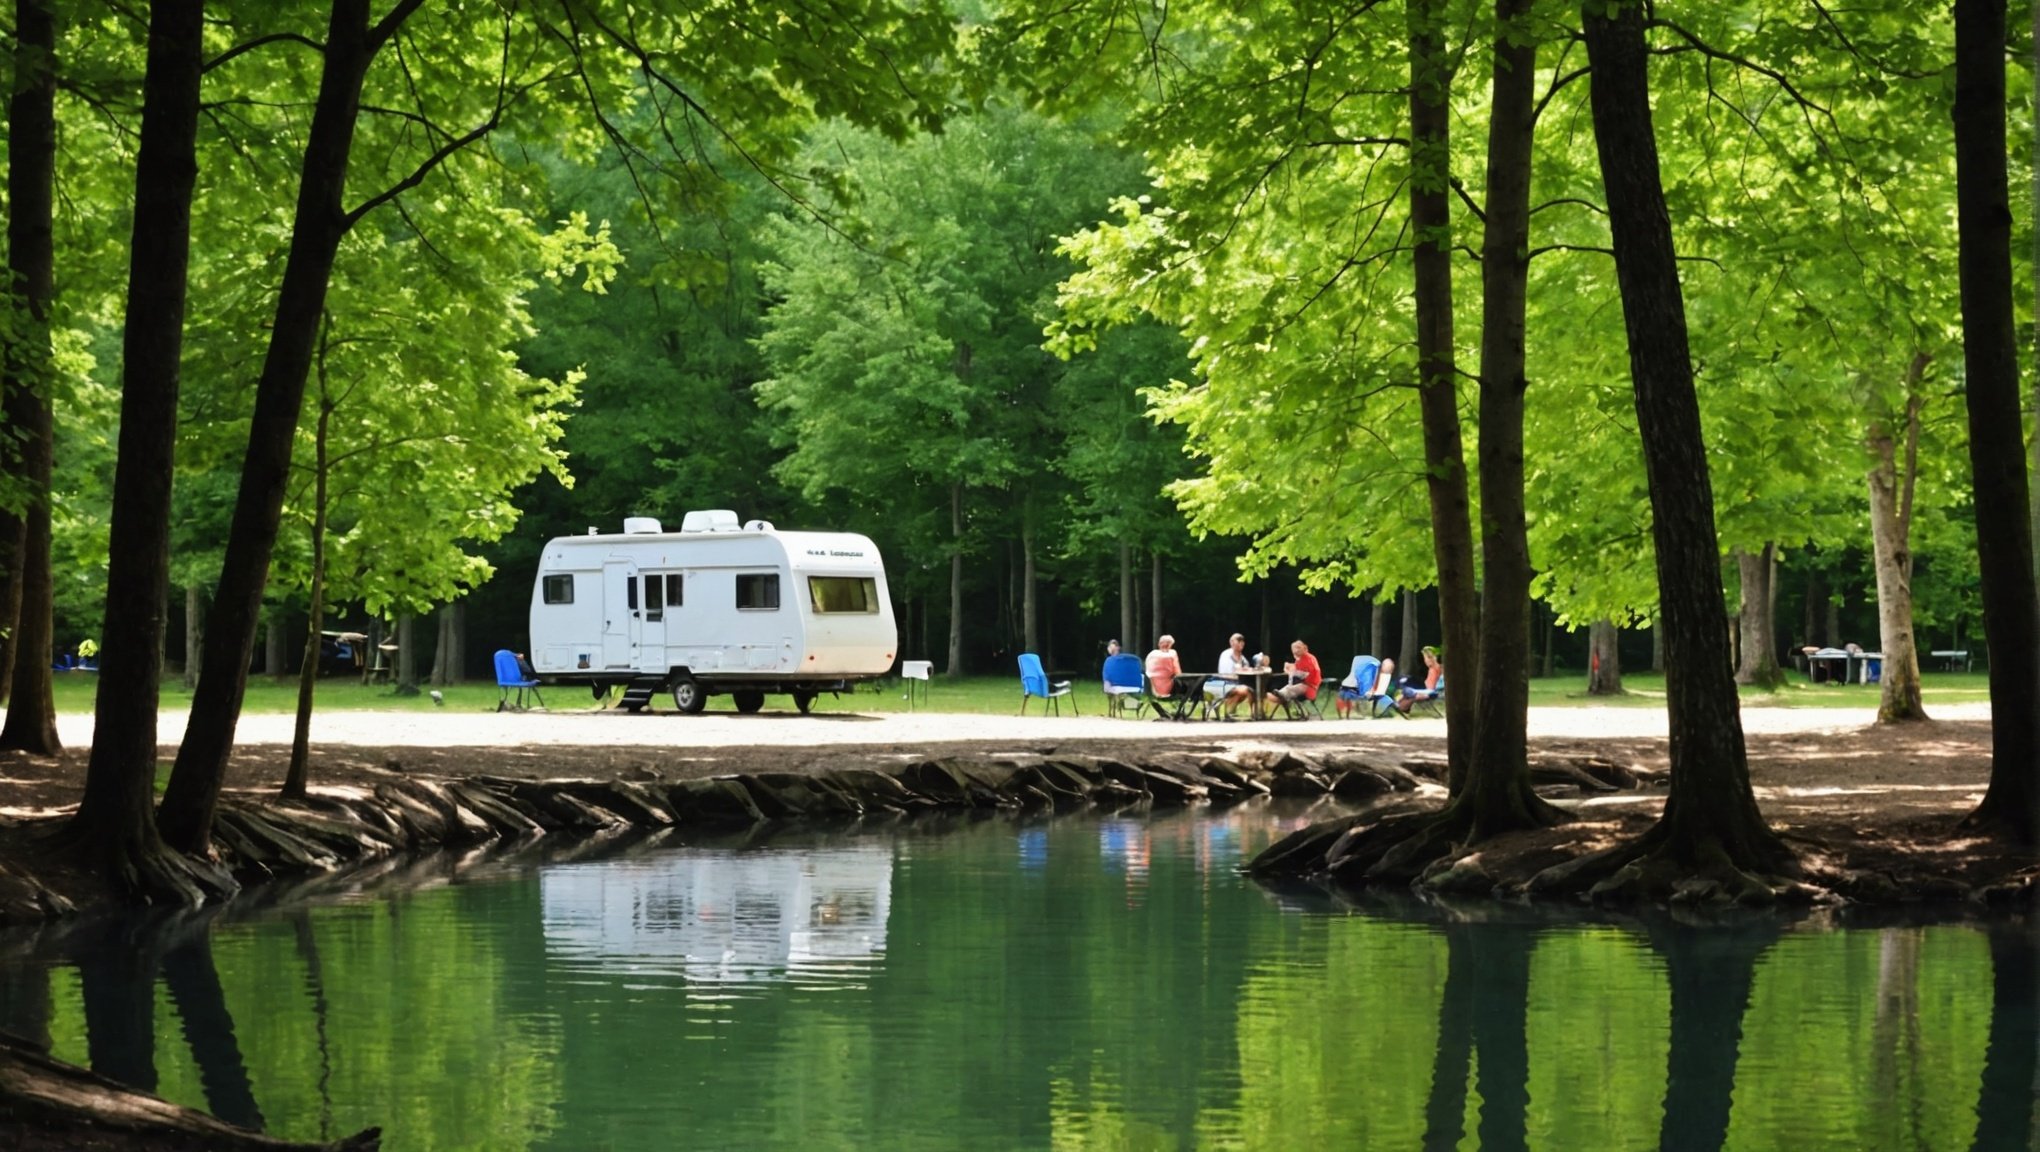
1163 666
1372 692
1434 680
1304 677
1225 690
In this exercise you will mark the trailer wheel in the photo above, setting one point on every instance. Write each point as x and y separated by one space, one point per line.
748 702
688 696
804 701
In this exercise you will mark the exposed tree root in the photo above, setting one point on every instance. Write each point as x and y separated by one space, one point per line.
1657 868
146 873
1999 820
1408 848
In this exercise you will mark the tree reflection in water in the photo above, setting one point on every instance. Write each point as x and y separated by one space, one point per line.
1035 1000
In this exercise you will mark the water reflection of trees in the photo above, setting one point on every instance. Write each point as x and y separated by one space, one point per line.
1044 1005
1836 1065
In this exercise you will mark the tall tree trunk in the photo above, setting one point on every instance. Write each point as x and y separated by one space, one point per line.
321 220
2033 474
1604 658
1496 795
1997 454
1891 496
1377 627
371 650
407 655
1267 639
13 535
1129 631
1030 631
1755 625
113 818
456 664
442 645
194 633
955 671
1407 658
1431 68
1143 621
298 774
25 373
274 636
1155 593
1711 815
1810 629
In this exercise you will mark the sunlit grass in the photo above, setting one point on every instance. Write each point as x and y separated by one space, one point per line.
992 695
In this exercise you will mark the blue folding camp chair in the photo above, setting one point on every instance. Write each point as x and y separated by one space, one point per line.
1123 686
511 672
1034 682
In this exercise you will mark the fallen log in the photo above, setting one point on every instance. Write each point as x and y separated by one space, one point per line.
46 1104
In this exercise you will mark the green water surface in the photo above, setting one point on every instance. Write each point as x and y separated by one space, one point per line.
1085 983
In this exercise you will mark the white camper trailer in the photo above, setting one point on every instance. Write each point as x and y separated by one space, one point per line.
715 607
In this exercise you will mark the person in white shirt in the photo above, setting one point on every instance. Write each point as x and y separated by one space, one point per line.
1225 689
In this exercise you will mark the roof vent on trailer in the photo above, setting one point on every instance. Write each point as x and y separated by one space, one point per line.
640 526
709 520
757 525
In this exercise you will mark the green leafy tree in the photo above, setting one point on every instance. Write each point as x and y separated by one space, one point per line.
904 346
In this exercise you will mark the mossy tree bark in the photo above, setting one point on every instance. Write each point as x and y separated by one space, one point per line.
1431 73
31 724
1891 502
1604 658
113 827
1756 621
320 222
1496 796
1711 827
1997 451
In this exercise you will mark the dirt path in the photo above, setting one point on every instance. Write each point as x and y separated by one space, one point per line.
786 729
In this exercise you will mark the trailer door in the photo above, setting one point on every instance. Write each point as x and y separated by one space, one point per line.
621 616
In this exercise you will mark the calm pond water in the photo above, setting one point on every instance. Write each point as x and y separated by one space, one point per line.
1088 983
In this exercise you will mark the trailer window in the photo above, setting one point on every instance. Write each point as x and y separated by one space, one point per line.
559 589
843 594
676 586
758 590
655 600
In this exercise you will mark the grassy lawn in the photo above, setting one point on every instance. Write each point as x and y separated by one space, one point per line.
996 695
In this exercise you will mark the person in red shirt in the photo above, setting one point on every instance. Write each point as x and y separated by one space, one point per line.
1304 677
1163 666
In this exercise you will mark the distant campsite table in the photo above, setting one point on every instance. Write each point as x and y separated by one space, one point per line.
1951 657
1188 695
1259 676
1853 667
1257 709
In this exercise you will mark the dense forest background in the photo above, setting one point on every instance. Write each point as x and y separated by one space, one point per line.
874 332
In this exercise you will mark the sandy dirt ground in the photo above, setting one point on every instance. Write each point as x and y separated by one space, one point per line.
1810 766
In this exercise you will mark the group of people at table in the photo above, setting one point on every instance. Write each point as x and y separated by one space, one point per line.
1226 690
